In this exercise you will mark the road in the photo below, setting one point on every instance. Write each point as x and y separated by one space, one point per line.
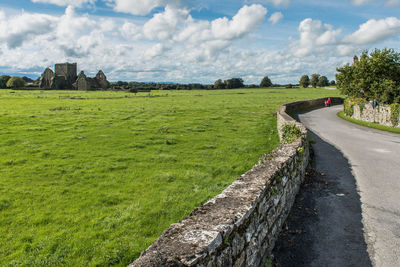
355 200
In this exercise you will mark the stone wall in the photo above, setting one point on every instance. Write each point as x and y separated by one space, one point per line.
381 114
239 227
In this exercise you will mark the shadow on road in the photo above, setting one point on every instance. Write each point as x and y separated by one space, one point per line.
325 226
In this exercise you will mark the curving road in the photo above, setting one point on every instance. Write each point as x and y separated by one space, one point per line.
365 164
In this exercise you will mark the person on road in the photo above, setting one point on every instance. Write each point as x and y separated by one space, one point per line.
329 102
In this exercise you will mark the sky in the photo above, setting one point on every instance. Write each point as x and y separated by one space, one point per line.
194 41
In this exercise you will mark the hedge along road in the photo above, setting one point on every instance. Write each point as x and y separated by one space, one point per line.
374 160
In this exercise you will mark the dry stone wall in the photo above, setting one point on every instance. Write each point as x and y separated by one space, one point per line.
381 114
239 227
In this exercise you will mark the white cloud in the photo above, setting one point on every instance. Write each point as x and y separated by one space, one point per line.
347 50
17 30
374 31
203 40
137 7
276 17
206 40
77 3
130 31
73 32
194 31
164 25
242 23
155 51
315 37
140 7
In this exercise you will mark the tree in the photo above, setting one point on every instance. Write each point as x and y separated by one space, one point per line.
266 82
332 83
27 79
323 81
304 81
3 81
375 76
234 83
314 80
15 82
121 83
219 84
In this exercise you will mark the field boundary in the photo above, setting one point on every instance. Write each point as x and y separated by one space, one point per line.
239 227
369 124
381 114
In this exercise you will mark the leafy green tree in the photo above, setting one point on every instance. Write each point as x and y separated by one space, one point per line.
234 83
304 81
332 83
266 82
15 82
375 76
3 81
219 84
323 81
314 80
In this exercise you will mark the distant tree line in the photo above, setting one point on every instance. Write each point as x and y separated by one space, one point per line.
316 80
229 84
232 83
375 76
238 83
7 81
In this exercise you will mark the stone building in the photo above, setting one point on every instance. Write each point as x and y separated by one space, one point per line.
65 77
47 79
84 83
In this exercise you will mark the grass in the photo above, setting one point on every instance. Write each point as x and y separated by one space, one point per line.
369 124
93 178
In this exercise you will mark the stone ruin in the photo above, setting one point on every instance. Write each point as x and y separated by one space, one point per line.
65 77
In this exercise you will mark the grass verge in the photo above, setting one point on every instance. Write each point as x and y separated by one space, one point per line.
369 124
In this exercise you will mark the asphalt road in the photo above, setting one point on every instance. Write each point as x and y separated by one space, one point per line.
358 220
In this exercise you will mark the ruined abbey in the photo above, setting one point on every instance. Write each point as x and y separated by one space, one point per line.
65 77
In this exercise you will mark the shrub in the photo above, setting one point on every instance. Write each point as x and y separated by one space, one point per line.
361 104
323 81
266 82
15 82
376 76
290 133
3 81
314 80
348 107
219 84
394 114
304 81
349 104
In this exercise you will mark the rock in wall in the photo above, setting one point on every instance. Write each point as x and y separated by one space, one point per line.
381 114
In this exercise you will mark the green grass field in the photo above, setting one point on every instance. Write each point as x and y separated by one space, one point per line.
93 178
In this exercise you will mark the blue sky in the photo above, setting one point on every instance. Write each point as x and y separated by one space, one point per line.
193 41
